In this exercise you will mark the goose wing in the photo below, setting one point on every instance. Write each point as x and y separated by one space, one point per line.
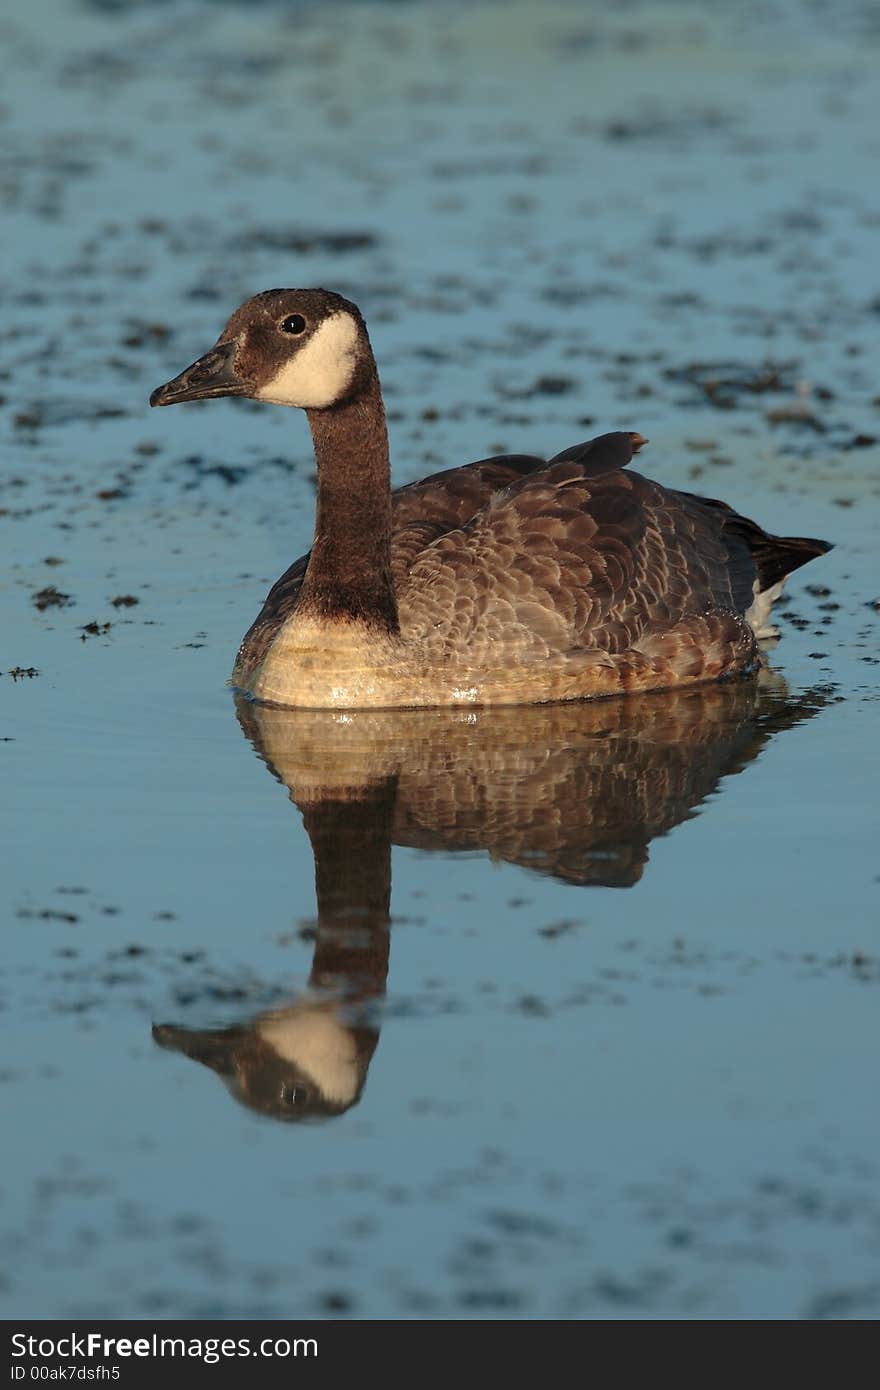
447 501
427 509
578 557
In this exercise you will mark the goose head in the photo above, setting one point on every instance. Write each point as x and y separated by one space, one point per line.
306 348
304 1062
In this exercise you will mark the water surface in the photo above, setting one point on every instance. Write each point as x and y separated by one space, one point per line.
566 1012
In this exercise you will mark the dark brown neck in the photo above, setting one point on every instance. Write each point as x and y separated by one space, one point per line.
349 572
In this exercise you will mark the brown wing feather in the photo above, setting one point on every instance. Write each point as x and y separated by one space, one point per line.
452 497
604 453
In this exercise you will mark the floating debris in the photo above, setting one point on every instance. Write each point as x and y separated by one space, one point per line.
722 383
796 413
302 243
94 629
50 597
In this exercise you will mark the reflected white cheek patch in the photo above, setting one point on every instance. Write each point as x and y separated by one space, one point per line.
313 1039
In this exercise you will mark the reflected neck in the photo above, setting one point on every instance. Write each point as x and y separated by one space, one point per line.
351 842
349 571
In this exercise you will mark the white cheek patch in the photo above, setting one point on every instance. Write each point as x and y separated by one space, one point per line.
313 1039
320 372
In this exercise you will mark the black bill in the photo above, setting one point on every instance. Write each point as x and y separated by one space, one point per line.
212 375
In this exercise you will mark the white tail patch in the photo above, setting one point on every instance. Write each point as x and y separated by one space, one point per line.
320 372
313 1039
759 612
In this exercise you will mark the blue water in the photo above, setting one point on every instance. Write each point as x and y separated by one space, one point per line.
623 1062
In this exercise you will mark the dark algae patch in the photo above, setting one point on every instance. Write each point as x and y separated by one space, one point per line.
50 597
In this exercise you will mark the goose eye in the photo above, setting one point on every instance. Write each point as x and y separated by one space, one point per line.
293 324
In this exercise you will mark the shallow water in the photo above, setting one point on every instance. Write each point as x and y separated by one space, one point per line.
619 1060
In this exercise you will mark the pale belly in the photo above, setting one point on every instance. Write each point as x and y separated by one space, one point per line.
314 665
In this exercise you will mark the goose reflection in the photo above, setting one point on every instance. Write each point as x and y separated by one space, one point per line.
573 791
310 1059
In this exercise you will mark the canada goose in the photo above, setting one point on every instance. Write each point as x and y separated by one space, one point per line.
509 581
574 791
